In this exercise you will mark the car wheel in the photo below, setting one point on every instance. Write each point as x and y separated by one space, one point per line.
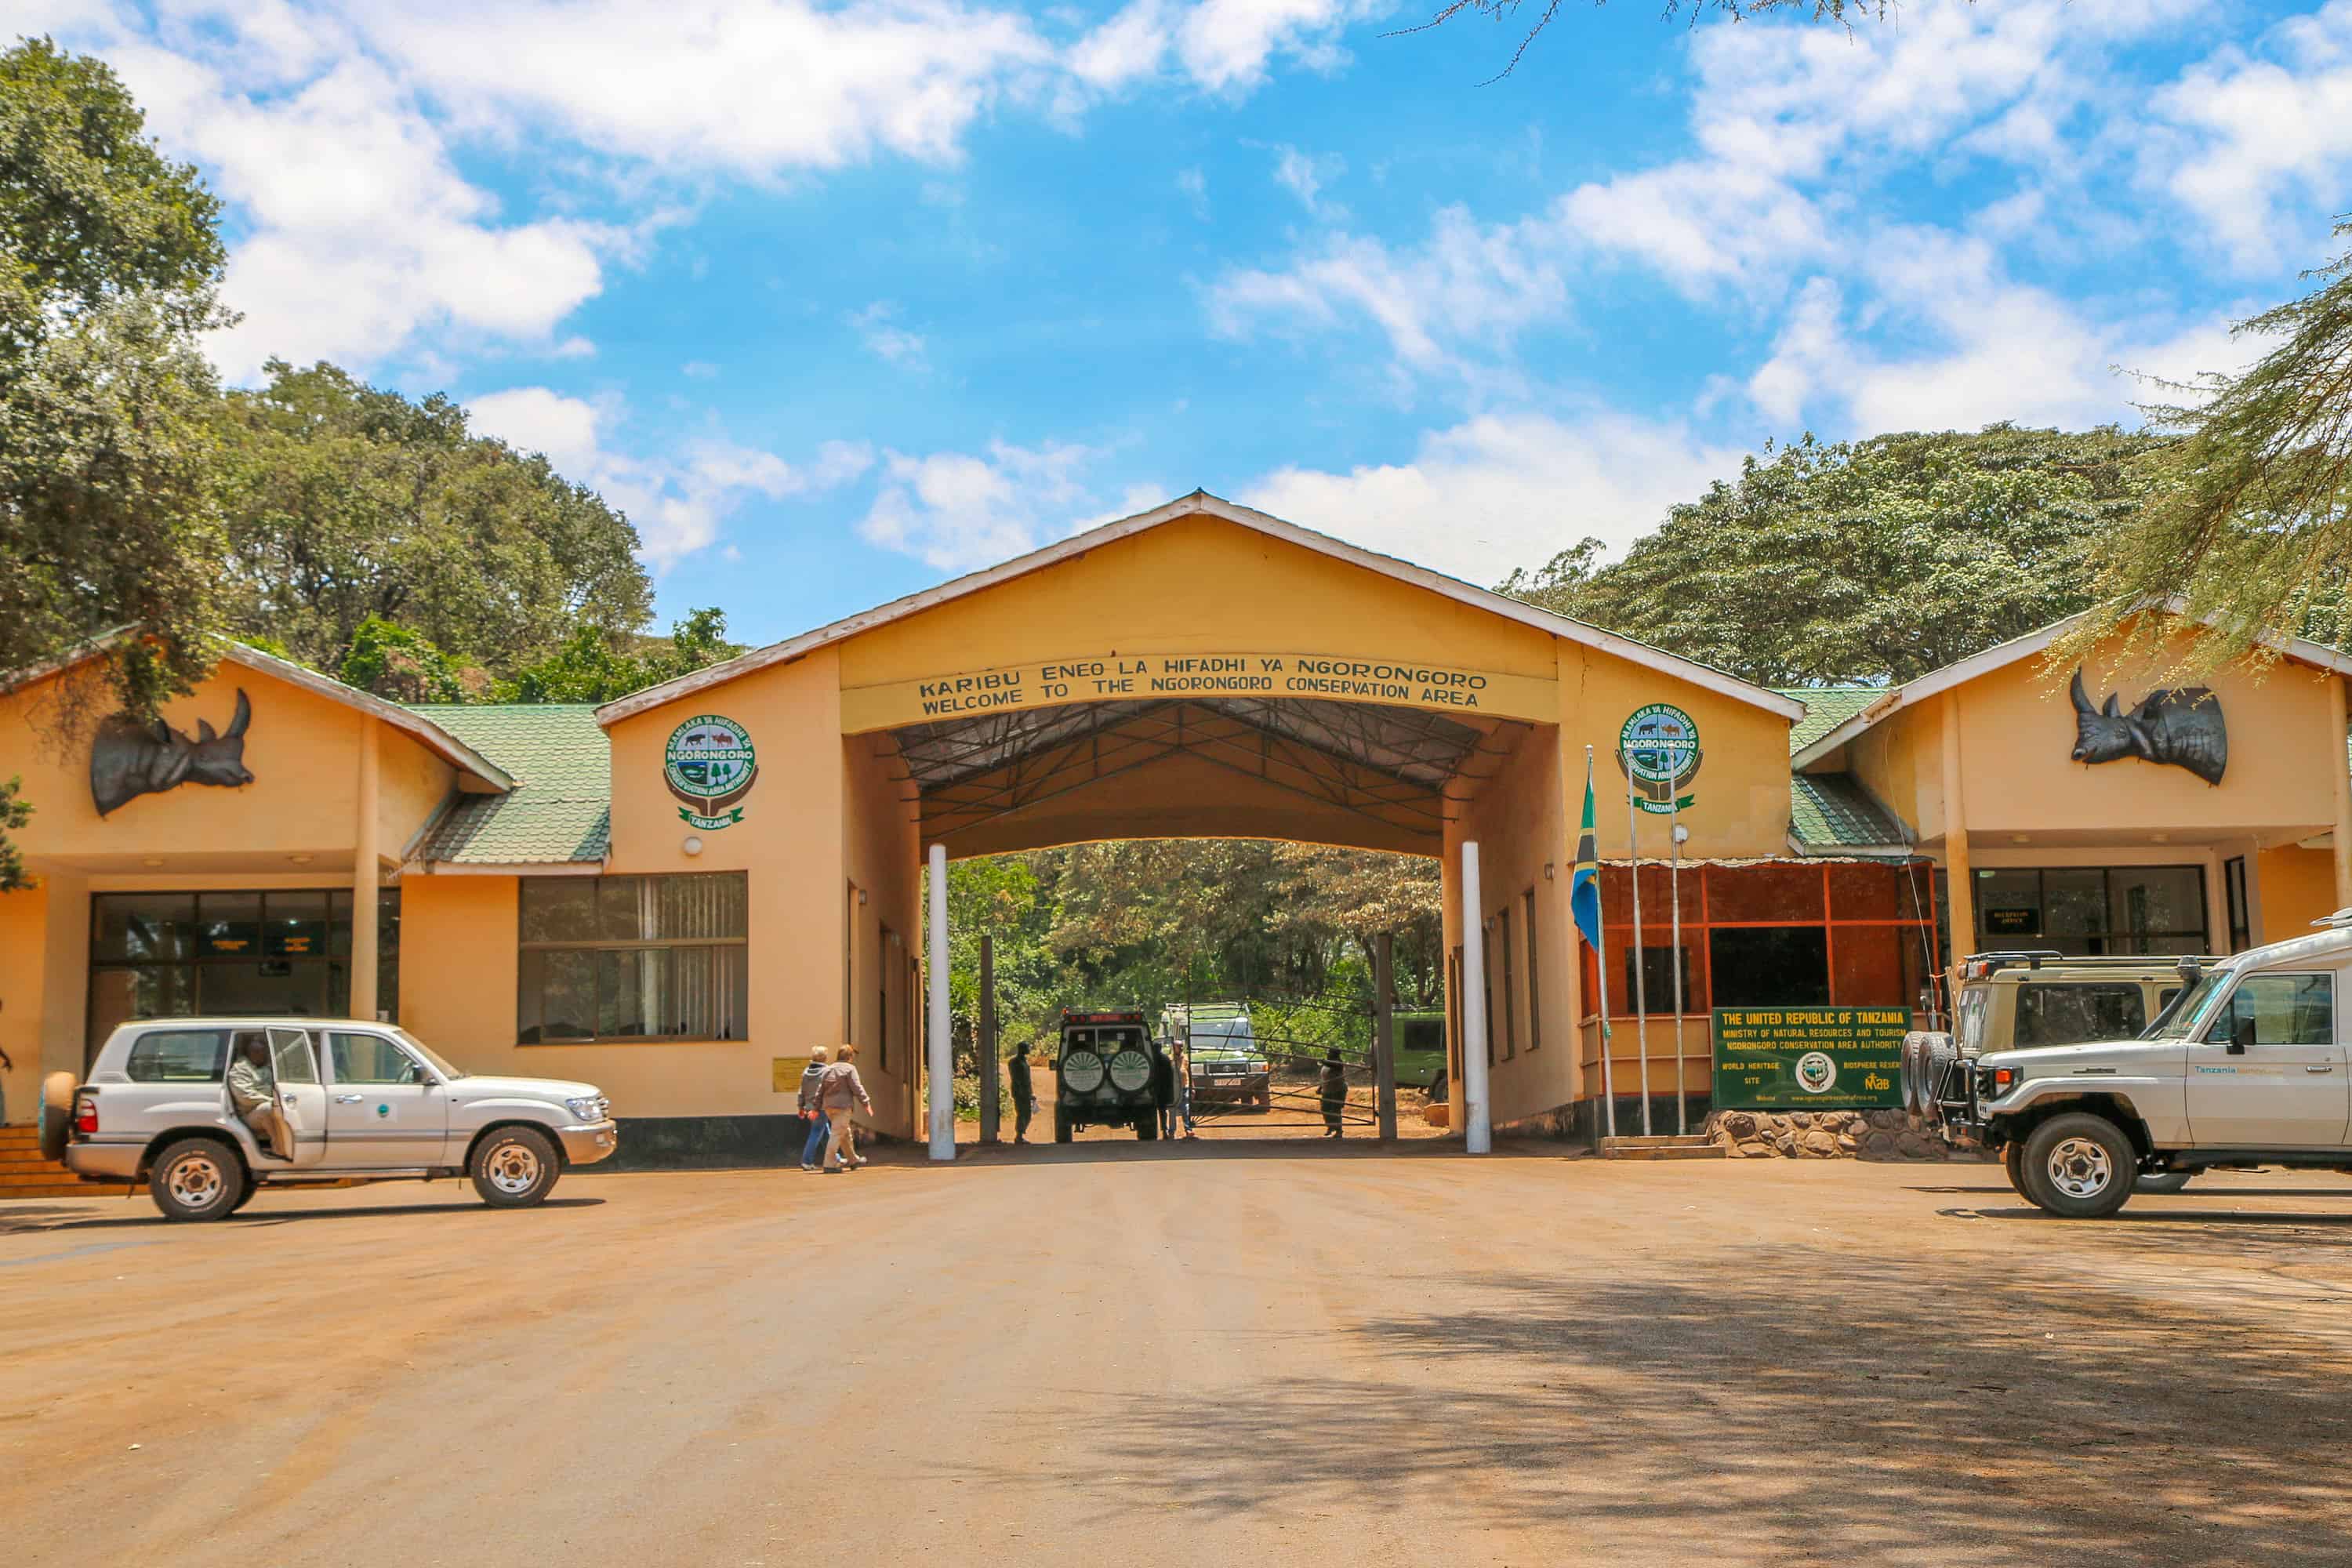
1147 1126
2079 1166
515 1167
197 1178
251 1189
2013 1161
1437 1088
1063 1130
2164 1183
1914 1073
57 1114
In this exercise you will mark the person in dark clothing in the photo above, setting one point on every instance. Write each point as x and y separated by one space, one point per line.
1024 1102
1163 1090
1331 1084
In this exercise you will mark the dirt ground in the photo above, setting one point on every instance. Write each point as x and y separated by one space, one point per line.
1231 1352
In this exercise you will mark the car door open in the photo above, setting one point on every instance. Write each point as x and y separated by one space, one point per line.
301 1100
385 1110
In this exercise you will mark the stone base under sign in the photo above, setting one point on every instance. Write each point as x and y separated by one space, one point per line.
1827 1135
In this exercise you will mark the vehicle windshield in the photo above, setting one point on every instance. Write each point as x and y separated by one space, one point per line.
433 1057
1222 1032
2190 1010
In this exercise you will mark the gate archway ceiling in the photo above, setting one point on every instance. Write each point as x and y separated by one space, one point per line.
1393 769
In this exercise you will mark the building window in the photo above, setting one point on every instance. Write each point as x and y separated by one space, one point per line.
633 958
1486 987
1535 998
1510 1022
2242 919
282 952
2092 910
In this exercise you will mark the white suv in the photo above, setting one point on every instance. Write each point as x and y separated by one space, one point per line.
349 1101
2248 1067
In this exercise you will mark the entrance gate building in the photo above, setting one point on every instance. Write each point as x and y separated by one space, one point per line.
678 895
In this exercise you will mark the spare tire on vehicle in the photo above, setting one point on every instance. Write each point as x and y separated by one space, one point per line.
1937 1055
57 1113
1914 1086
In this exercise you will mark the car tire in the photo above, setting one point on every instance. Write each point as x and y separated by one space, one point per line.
58 1092
2164 1183
252 1189
2079 1166
1063 1130
1914 1073
2012 1162
1147 1126
1437 1088
515 1167
197 1179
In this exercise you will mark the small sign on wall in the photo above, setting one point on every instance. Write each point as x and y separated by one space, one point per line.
787 1073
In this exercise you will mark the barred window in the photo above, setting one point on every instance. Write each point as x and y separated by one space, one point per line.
633 958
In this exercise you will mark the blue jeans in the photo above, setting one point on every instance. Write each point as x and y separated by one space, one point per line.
815 1145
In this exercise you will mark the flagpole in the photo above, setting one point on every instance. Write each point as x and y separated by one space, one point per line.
1641 987
1600 967
1674 893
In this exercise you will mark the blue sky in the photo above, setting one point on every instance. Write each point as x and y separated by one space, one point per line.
838 301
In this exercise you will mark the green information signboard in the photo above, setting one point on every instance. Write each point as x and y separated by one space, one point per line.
1831 1058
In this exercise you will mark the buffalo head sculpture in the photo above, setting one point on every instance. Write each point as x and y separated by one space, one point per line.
130 759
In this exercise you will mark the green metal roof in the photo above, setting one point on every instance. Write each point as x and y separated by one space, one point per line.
1826 708
561 808
1829 813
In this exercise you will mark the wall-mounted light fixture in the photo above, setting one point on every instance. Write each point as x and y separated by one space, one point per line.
1548 871
691 844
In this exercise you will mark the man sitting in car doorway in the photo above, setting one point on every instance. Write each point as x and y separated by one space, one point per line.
253 1090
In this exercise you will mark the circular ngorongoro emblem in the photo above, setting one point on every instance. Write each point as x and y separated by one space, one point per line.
1816 1072
708 764
1658 749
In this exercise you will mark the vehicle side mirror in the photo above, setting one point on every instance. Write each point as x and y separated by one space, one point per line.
2224 1034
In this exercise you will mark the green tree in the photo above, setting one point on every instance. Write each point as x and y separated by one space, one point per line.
344 501
593 668
402 664
1865 560
2248 516
108 264
15 813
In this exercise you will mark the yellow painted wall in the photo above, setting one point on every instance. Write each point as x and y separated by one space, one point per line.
2298 886
23 916
2018 731
1740 796
1520 824
303 750
881 854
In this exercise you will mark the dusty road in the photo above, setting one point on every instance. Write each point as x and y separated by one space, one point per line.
1112 1354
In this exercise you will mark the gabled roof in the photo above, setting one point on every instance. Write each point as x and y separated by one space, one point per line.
1199 504
426 733
561 809
1893 699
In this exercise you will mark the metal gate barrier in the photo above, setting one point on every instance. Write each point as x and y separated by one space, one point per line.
1259 1063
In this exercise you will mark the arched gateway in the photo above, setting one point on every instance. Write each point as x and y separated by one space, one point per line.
677 894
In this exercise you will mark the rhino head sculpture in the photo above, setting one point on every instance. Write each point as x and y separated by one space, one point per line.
2178 726
130 759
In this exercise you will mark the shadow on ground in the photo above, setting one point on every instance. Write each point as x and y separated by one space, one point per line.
1796 1409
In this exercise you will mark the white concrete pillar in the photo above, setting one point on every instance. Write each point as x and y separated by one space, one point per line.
941 1064
1478 1131
364 874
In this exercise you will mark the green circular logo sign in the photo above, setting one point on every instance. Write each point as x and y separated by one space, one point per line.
1816 1072
1658 748
710 765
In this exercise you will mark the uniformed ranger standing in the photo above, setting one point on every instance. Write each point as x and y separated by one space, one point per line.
1024 1102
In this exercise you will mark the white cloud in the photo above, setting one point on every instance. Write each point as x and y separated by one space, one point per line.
1466 282
1504 491
677 502
1304 175
1194 186
957 510
877 327
2264 145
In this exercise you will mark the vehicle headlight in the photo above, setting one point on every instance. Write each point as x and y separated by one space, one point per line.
1131 1070
588 1106
1994 1082
1081 1071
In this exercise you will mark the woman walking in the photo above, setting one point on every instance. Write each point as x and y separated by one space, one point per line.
841 1091
812 1111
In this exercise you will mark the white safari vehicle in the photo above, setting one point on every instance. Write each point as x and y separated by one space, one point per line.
347 1101
2246 1067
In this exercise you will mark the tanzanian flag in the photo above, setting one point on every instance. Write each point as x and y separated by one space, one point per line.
1584 885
